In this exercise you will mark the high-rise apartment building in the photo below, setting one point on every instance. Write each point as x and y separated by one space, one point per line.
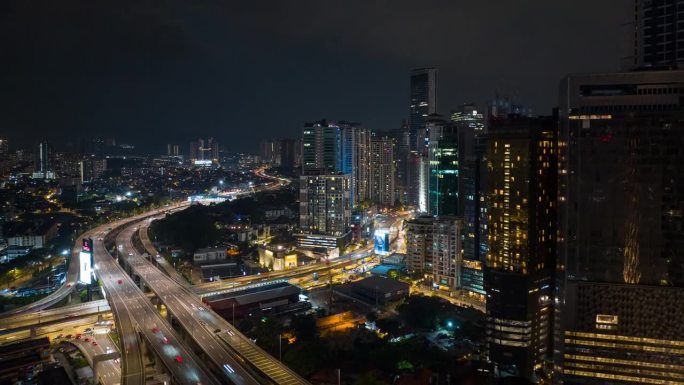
288 153
402 150
656 35
271 152
172 149
204 152
620 268
521 194
382 174
446 252
355 160
324 204
423 100
419 243
321 147
433 247
43 165
4 147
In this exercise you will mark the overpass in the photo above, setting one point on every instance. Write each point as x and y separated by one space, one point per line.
148 344
214 337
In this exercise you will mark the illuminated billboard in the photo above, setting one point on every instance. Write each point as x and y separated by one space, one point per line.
86 267
87 245
85 262
382 242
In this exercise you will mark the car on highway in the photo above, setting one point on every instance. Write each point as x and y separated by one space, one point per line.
87 339
58 336
165 340
179 359
120 281
94 343
78 336
68 336
155 329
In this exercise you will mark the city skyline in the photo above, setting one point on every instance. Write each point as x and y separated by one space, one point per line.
531 237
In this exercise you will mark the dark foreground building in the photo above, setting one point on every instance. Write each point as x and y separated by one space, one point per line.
521 195
620 291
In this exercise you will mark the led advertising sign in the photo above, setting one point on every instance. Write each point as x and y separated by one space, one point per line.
85 262
381 240
86 267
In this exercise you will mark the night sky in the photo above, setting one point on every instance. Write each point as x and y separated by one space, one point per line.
154 72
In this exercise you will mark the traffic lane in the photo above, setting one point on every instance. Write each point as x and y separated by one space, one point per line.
174 296
145 315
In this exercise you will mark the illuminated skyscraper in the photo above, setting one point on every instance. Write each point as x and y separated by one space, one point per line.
423 100
43 165
472 186
324 204
443 163
204 152
620 286
322 147
382 171
521 195
355 160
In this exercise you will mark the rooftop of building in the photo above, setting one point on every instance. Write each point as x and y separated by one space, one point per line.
258 294
382 284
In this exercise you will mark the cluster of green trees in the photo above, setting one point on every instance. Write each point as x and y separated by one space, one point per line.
199 226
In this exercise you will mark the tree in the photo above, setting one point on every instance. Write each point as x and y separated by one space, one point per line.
267 334
305 327
369 379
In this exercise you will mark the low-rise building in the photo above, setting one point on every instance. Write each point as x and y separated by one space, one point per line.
30 235
380 290
209 255
277 257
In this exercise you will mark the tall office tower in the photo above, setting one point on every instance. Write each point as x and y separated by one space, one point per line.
355 160
43 168
472 177
271 152
656 35
324 204
4 147
522 162
288 154
443 162
419 244
620 269
423 100
382 171
321 147
446 252
467 115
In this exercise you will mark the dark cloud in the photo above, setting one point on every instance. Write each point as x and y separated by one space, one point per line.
155 71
